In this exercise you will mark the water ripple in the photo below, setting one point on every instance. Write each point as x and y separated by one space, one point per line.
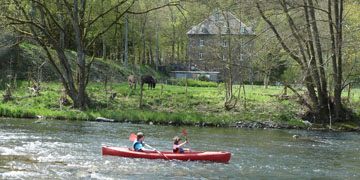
72 150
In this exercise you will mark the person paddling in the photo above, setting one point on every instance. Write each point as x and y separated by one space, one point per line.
139 144
177 148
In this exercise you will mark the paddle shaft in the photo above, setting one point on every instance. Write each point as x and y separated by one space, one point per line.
157 151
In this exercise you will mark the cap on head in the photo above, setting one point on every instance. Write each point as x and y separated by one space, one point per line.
140 135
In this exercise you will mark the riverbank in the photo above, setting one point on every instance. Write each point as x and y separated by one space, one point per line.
166 104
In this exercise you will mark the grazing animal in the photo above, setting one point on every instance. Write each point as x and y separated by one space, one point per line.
112 96
132 81
148 80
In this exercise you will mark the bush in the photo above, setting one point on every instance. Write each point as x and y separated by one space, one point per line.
254 83
194 83
204 78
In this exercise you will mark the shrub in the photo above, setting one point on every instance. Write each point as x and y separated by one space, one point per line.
204 78
194 83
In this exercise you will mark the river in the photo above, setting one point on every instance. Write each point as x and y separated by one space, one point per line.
52 149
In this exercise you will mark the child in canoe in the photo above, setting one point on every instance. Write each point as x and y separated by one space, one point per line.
177 148
139 144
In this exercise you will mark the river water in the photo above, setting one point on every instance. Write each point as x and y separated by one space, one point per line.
72 150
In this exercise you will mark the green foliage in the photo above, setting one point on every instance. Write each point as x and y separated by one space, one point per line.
194 83
290 75
204 78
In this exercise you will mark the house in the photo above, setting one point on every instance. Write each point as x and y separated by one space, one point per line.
219 40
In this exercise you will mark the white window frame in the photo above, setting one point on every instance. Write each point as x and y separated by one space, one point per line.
201 55
242 56
242 30
202 41
225 42
224 58
225 28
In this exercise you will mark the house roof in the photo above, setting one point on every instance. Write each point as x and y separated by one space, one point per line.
216 24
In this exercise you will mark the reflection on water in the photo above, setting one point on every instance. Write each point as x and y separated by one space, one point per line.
72 150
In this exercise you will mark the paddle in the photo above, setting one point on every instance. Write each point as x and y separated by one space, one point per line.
185 134
133 137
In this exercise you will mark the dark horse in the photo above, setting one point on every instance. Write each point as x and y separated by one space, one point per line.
148 80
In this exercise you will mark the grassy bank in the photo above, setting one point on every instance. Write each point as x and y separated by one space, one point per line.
166 104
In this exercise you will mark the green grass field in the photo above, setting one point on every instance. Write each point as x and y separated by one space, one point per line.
166 104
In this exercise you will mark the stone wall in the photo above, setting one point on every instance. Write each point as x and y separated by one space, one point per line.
215 54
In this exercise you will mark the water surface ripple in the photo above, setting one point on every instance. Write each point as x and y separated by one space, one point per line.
72 150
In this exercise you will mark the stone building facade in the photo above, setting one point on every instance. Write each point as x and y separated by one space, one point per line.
220 40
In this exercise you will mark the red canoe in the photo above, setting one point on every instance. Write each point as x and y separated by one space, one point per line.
187 156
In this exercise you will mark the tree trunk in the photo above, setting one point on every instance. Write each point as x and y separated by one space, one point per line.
178 49
133 39
339 114
81 100
229 104
121 53
62 33
157 47
173 35
151 54
318 76
126 41
103 36
144 40
336 48
141 95
116 42
186 86
348 92
266 81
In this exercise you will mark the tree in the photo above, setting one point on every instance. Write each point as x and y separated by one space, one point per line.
44 29
305 47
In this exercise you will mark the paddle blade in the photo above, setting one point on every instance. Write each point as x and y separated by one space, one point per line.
133 137
184 132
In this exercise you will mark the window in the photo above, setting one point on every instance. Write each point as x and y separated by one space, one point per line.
201 55
204 31
202 42
226 30
224 57
242 56
242 30
224 42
